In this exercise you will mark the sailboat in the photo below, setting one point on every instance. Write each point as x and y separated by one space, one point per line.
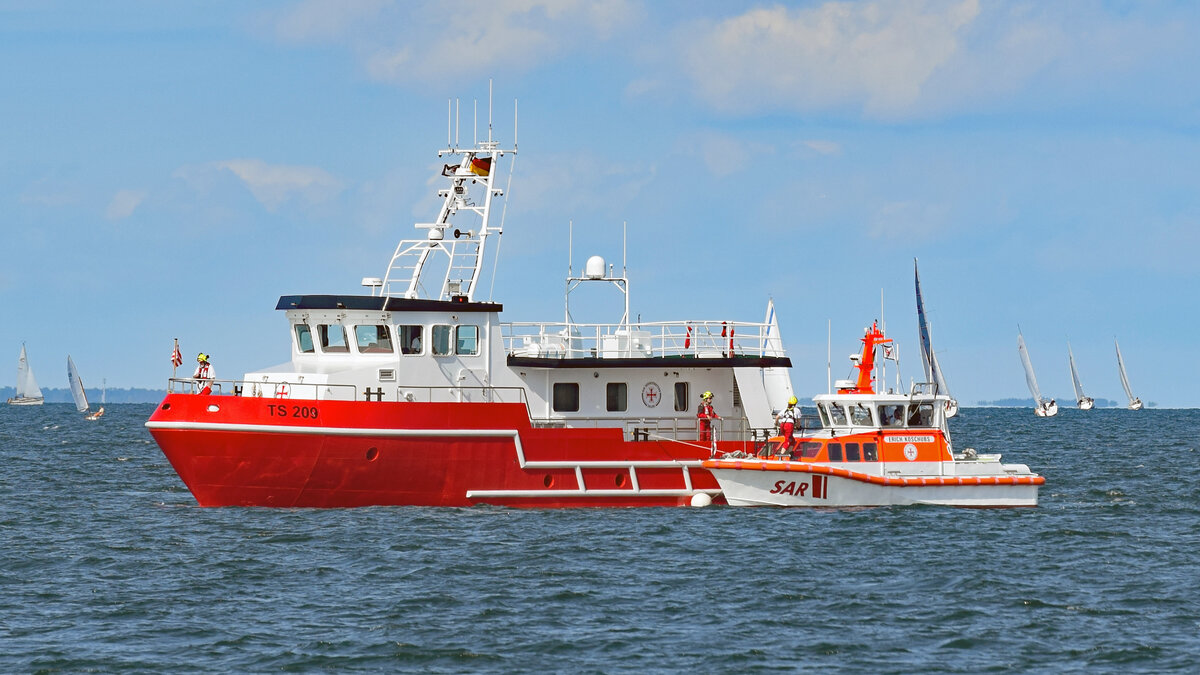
1042 407
933 371
77 392
28 392
1085 402
1135 403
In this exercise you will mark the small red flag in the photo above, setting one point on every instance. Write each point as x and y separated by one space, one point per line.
176 356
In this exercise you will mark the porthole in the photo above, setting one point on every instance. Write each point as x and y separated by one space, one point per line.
548 481
620 480
372 454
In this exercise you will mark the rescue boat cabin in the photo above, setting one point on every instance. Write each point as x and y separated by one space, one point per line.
859 425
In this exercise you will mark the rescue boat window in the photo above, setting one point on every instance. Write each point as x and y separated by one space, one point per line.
824 416
835 452
891 415
333 338
304 341
441 340
861 415
810 449
373 339
870 452
681 396
410 339
566 397
852 452
617 395
920 415
467 343
837 415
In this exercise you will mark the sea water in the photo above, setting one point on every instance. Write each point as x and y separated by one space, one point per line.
107 564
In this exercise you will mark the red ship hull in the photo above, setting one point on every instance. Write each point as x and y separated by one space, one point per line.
245 451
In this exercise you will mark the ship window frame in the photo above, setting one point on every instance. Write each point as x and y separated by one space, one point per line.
824 416
870 452
810 449
616 396
411 344
837 415
835 449
383 345
563 396
856 415
326 344
299 339
923 413
887 420
441 338
682 396
459 340
853 454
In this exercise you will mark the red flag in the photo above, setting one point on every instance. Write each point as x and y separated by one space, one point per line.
176 356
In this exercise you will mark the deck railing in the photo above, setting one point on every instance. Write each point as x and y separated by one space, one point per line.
700 339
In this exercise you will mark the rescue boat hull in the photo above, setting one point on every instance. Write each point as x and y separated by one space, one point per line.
787 483
245 451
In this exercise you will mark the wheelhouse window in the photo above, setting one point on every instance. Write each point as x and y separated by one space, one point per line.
837 415
852 452
304 340
566 397
373 339
410 338
835 452
860 415
824 416
810 449
681 396
616 397
891 415
466 341
920 415
333 338
441 340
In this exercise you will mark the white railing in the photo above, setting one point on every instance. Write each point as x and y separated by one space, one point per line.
700 339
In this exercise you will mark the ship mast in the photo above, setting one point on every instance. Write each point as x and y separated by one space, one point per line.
446 263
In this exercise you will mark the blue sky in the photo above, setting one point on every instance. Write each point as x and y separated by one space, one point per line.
170 169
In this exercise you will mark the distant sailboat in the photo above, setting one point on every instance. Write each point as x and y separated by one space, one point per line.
28 392
1042 407
933 370
77 392
1135 403
1085 402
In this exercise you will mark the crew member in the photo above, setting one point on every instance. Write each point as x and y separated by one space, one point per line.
706 414
205 373
786 419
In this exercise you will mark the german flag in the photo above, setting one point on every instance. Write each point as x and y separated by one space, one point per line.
481 167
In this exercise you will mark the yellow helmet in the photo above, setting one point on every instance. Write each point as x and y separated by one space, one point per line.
707 394
793 401
202 356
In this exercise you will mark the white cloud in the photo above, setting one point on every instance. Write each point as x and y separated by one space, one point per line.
123 204
823 147
875 54
421 42
274 184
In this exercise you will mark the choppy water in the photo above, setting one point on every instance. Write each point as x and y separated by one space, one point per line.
107 564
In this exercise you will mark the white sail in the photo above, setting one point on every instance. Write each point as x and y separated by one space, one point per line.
1135 403
81 402
777 381
1030 379
929 361
27 386
1075 375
